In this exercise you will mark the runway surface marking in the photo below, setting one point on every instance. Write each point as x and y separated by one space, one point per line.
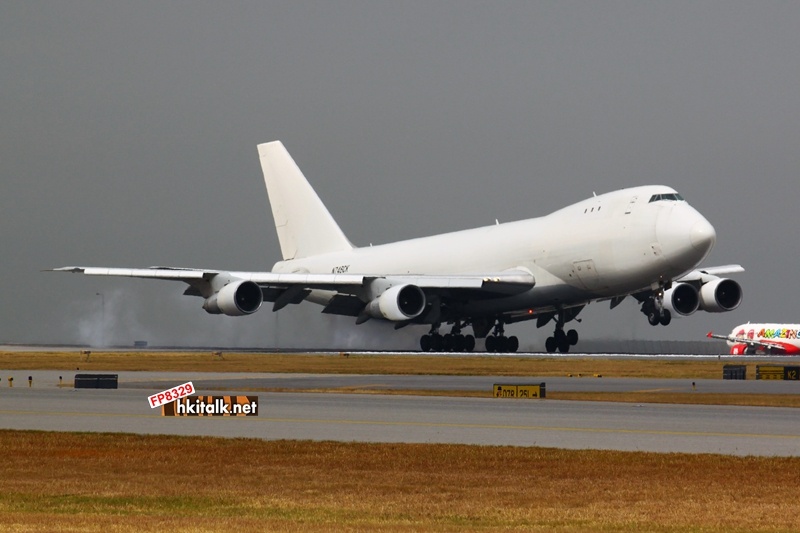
429 424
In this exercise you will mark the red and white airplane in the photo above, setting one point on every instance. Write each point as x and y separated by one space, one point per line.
750 339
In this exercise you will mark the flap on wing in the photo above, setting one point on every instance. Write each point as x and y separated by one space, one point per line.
343 304
508 282
311 281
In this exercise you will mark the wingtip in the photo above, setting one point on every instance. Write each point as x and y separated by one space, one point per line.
710 334
73 269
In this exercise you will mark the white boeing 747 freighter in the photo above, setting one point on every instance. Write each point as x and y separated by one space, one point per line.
644 242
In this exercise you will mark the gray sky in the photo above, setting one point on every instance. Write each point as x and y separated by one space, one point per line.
129 133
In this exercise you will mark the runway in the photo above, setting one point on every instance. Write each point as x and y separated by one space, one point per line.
398 418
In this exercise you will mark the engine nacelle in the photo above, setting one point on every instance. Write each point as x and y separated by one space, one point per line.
720 295
398 303
235 299
681 299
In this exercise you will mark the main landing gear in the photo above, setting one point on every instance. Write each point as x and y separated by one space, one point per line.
498 342
561 341
449 342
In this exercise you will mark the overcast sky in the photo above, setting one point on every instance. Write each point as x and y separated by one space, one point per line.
129 133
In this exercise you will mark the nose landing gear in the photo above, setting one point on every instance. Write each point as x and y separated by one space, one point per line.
653 308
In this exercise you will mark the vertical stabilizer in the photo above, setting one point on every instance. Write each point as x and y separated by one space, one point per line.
305 226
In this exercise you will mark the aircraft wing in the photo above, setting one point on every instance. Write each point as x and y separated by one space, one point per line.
705 275
286 288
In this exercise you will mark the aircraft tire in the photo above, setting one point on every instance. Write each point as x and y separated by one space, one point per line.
666 317
653 318
572 337
469 343
501 344
459 343
491 343
563 345
512 344
447 342
551 345
425 343
436 343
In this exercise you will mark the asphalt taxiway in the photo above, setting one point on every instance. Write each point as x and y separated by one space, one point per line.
768 431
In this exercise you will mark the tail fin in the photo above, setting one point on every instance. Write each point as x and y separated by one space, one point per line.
305 226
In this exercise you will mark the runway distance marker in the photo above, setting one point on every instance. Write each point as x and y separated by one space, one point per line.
505 390
789 373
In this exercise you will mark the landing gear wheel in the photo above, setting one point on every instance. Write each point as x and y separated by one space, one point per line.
425 343
447 342
666 317
512 344
501 343
469 343
653 318
458 343
572 337
491 343
563 344
551 345
436 342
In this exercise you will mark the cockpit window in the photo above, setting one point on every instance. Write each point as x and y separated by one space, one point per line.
668 196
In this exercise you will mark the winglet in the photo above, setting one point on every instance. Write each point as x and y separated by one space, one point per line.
710 334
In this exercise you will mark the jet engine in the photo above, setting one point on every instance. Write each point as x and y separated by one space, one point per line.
235 299
720 295
398 303
681 299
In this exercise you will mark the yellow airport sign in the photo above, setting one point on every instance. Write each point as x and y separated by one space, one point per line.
791 373
510 390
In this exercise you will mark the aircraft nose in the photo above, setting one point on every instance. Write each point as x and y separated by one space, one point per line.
703 235
686 237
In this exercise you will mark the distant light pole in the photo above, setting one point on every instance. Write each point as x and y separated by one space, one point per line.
103 319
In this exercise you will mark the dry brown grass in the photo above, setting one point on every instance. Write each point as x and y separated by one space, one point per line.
89 482
367 364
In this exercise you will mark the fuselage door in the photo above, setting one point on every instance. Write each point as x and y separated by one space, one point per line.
586 274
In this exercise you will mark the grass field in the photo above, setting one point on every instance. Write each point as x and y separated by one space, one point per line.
107 482
368 364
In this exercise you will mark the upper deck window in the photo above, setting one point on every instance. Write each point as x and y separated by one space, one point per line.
668 196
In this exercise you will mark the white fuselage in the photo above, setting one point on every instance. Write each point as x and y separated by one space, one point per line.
784 337
609 245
